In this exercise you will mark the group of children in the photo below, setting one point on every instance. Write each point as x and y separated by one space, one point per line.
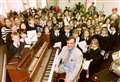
99 31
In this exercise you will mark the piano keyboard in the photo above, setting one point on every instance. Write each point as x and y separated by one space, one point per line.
48 68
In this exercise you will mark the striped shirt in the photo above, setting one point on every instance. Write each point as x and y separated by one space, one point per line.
4 32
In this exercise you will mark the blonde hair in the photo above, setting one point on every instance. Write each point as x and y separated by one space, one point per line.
94 42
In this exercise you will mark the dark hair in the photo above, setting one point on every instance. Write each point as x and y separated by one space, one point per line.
71 37
60 20
113 25
56 27
84 25
23 31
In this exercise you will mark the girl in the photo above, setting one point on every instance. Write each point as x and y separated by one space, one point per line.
93 55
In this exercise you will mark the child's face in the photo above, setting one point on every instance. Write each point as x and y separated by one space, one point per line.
67 30
23 26
107 21
54 21
61 23
17 21
104 31
84 27
49 23
112 28
93 22
89 22
97 30
8 22
14 28
94 43
86 33
59 14
31 21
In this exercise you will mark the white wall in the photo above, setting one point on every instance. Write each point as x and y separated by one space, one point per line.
32 3
107 5
89 2
7 5
3 7
19 5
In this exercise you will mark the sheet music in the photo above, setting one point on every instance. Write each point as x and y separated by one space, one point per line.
32 36
83 45
27 46
86 64
57 44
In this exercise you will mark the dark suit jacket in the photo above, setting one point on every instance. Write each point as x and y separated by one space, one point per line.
64 39
31 28
97 60
1 40
105 43
114 41
8 40
13 51
54 38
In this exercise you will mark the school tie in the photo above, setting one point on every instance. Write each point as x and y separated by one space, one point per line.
57 34
68 55
67 34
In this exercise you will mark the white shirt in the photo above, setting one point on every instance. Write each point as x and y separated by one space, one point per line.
74 63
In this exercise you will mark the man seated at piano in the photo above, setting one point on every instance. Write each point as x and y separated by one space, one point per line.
16 46
69 61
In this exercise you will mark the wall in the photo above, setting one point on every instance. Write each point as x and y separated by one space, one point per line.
69 3
7 5
32 3
3 7
107 5
52 2
89 2
17 5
